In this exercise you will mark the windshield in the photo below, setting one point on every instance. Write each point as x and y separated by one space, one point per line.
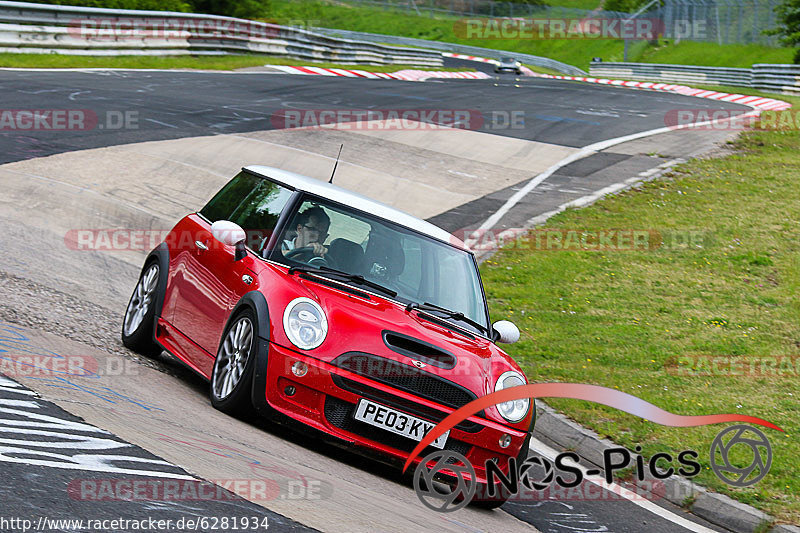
418 268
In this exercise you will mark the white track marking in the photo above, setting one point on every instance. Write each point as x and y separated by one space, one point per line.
26 451
5 382
19 403
636 499
15 389
587 151
161 123
92 463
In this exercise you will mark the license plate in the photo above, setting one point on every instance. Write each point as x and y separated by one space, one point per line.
400 423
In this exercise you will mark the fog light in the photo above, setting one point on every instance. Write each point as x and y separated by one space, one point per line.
290 390
505 440
299 369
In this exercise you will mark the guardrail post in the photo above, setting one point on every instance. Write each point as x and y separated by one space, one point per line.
755 20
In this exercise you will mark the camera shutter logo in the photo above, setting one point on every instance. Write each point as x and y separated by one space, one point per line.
734 475
445 496
544 464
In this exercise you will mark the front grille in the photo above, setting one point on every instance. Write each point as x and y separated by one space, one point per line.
340 414
411 407
405 377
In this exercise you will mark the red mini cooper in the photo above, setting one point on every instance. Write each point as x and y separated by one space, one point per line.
353 318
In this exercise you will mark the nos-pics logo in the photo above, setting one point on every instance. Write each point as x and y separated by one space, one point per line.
740 456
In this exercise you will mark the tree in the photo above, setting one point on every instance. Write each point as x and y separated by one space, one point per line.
246 9
789 30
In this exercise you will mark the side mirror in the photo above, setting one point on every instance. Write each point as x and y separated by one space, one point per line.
232 234
505 332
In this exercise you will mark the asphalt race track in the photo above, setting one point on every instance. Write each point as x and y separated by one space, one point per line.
171 105
161 144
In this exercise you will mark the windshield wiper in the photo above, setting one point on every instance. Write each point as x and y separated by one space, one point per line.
449 313
355 278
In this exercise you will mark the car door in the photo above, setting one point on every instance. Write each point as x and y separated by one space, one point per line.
211 281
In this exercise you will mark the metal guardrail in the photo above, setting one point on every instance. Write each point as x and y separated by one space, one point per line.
777 78
783 79
673 73
44 28
538 61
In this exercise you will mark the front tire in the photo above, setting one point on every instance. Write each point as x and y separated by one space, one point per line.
138 326
232 376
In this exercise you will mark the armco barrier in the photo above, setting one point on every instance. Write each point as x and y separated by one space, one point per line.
783 79
777 78
538 61
740 77
44 28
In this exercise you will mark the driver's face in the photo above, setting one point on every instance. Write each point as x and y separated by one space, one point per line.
311 231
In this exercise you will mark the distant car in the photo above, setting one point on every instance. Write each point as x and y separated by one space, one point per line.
508 64
370 325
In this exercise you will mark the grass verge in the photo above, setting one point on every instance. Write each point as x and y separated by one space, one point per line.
229 62
570 51
628 319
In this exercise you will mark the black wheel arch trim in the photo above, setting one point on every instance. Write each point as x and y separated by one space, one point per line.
525 449
160 255
256 301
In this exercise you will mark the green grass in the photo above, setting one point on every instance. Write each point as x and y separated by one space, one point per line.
570 51
576 4
714 55
375 20
622 319
229 62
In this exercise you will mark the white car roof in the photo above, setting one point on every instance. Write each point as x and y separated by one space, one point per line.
343 196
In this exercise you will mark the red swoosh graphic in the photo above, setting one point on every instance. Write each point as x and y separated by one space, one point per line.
579 391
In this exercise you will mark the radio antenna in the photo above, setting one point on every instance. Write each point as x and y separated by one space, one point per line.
336 164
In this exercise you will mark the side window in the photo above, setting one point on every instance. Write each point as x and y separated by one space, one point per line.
253 203
228 199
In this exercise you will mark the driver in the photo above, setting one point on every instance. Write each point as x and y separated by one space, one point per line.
311 231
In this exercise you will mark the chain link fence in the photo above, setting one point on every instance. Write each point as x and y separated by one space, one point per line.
482 8
719 21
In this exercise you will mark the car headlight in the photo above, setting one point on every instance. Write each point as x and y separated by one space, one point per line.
305 323
516 410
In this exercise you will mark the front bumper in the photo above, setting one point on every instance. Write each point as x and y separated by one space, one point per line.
326 396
